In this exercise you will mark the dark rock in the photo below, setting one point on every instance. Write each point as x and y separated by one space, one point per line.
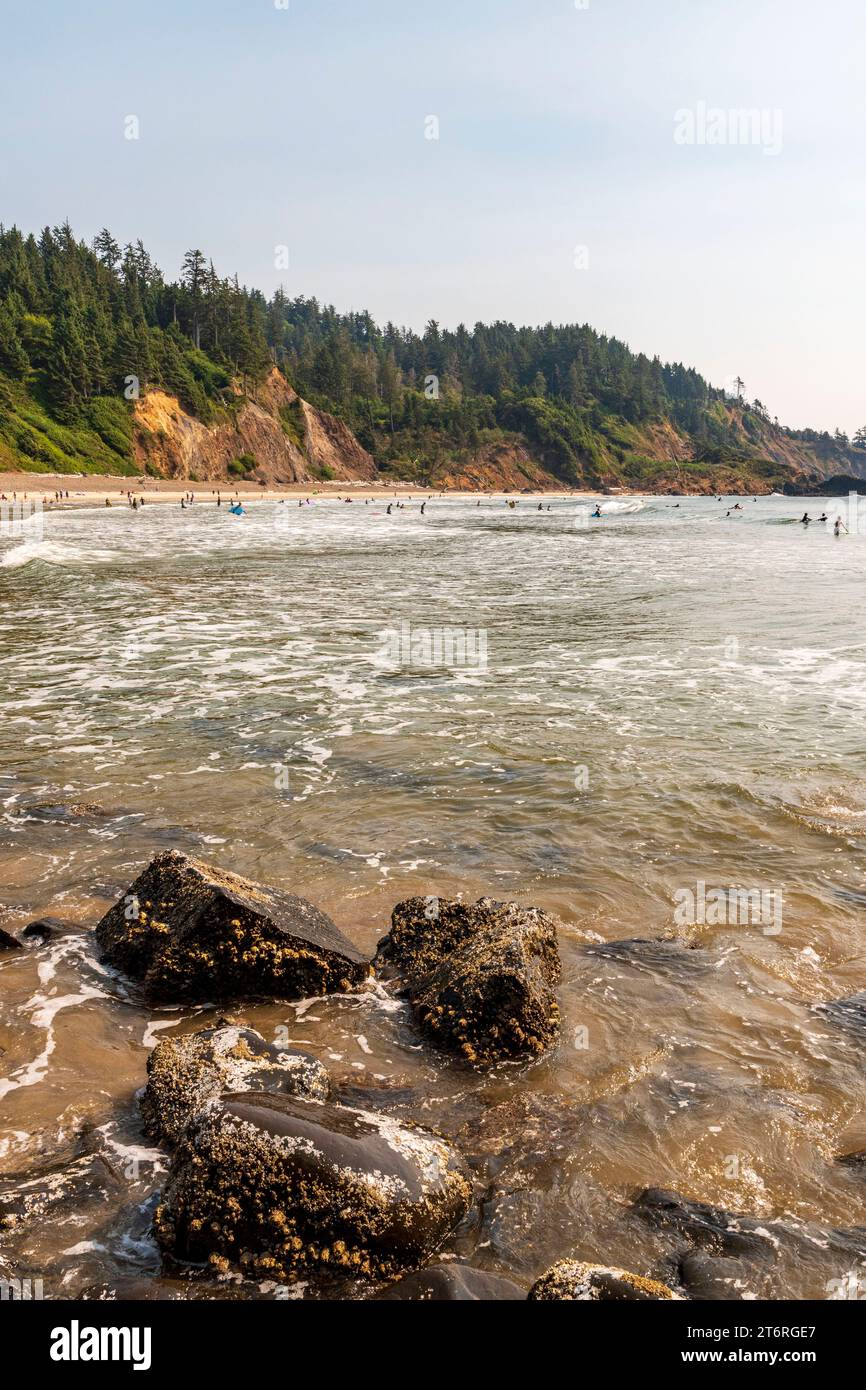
854 1160
720 1254
185 1072
45 929
52 811
846 1013
191 932
8 943
571 1280
452 1283
654 955
277 1186
709 1228
480 977
714 1278
56 1190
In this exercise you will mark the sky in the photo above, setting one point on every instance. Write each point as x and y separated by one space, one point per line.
529 160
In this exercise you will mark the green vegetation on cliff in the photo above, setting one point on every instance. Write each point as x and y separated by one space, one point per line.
83 329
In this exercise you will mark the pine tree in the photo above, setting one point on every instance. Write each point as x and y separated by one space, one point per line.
13 356
68 375
107 249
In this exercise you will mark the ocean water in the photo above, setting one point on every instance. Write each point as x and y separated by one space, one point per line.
614 719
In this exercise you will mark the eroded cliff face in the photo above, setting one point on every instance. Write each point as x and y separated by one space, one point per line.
289 439
293 442
506 467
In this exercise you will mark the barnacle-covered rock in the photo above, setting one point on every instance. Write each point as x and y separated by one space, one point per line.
279 1186
191 932
184 1073
571 1280
480 976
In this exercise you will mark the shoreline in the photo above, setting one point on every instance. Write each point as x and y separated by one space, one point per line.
96 489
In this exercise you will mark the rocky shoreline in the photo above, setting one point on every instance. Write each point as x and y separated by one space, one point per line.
276 1175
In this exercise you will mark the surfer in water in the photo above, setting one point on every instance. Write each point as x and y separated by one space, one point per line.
805 519
598 511
839 526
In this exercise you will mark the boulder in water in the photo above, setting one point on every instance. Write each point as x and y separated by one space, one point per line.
573 1281
184 1073
654 955
849 1013
480 977
8 943
191 932
720 1254
45 929
56 1191
279 1186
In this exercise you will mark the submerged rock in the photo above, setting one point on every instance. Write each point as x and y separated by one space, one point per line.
570 1280
846 1013
719 1254
55 1191
191 932
278 1186
45 929
655 955
7 942
452 1283
481 977
184 1073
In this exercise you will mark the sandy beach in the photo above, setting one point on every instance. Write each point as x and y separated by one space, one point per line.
59 491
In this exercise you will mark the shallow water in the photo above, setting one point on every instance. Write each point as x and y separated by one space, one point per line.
670 696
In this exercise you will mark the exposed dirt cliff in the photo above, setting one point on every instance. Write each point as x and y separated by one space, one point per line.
498 467
276 436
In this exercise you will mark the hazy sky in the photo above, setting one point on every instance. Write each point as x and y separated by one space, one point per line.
306 126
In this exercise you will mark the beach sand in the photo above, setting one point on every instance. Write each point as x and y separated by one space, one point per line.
96 489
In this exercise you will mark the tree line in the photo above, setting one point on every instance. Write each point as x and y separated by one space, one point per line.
79 322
